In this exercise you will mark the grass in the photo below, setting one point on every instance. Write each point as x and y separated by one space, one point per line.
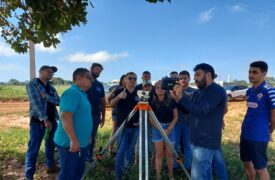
18 93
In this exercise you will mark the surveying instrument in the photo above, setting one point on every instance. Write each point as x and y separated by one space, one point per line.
144 108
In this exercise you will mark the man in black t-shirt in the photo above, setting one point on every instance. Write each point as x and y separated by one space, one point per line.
96 96
146 76
125 100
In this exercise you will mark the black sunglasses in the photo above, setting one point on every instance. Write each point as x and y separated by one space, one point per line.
132 78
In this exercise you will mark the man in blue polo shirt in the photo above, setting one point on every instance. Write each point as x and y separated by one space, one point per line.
96 96
74 127
259 122
206 107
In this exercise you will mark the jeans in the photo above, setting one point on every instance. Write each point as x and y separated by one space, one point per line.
37 131
202 162
183 143
72 164
90 148
126 150
219 166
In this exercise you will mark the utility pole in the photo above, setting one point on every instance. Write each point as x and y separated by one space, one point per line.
32 60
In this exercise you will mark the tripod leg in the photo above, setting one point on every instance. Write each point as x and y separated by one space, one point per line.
146 145
113 138
140 144
166 139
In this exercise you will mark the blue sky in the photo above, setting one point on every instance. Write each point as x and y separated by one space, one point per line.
136 36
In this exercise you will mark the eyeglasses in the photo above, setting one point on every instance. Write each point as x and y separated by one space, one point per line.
49 71
132 78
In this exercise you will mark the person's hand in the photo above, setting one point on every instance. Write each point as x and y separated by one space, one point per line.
123 94
167 131
102 122
74 146
48 124
177 92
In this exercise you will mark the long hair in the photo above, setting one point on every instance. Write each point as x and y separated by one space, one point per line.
157 102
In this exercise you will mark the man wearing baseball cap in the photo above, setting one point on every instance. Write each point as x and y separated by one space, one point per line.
43 114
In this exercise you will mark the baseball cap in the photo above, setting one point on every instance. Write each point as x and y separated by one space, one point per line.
53 68
146 82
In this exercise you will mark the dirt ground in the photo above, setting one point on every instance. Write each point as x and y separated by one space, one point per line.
16 114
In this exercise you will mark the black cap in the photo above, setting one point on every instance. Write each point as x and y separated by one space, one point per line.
53 68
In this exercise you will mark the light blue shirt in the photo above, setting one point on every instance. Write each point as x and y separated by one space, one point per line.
75 100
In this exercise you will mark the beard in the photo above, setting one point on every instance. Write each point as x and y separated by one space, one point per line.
95 75
202 83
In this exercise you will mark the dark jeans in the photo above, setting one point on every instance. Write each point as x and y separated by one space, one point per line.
72 164
90 148
183 143
37 131
126 150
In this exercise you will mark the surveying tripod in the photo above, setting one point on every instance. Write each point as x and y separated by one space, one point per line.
144 108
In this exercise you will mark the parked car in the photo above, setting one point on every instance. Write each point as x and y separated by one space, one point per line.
235 91
108 91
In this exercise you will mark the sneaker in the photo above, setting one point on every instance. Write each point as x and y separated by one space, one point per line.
53 169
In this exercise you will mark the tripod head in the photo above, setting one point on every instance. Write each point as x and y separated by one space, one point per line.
143 96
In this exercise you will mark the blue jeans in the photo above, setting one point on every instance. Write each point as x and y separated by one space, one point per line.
90 148
37 131
202 162
219 166
126 150
183 143
72 164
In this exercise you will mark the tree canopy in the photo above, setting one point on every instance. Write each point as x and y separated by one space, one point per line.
40 21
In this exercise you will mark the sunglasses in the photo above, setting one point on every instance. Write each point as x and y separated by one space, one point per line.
132 78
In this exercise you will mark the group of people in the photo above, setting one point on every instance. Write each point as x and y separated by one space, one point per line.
193 120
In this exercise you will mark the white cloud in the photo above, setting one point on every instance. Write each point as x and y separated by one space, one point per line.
206 16
100 56
6 50
237 8
40 47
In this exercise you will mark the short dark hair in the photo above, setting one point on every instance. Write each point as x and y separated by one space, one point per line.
260 64
185 73
130 73
173 72
79 72
206 68
146 72
96 65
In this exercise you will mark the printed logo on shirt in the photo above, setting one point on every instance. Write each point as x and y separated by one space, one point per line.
252 105
98 89
260 96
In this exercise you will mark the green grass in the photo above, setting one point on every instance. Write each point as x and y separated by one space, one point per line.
13 144
18 93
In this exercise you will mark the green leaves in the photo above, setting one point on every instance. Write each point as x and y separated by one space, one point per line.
39 21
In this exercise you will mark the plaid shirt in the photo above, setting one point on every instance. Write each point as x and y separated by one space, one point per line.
38 105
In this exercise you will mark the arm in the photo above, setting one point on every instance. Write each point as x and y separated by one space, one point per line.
111 95
36 101
115 100
174 121
53 99
204 107
272 121
67 123
103 109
